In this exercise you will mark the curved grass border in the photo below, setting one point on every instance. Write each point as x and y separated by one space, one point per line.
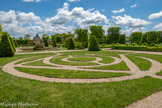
58 73
58 60
140 62
119 66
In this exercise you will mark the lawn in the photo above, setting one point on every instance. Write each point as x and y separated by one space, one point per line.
56 73
140 62
60 95
120 66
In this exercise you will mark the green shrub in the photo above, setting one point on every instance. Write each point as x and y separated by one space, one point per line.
70 44
134 44
127 44
6 49
94 44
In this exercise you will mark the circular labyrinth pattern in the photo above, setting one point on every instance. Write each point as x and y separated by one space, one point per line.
135 72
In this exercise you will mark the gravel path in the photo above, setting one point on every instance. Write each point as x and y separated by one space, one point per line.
153 101
135 72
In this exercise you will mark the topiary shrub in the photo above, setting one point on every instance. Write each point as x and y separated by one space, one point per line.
6 49
70 44
54 43
94 45
13 44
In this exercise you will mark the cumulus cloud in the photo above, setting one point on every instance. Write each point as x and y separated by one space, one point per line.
128 20
158 27
133 6
73 0
20 23
78 16
118 11
31 0
155 15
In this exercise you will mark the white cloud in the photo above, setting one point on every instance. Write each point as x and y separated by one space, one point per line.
20 23
133 6
31 0
73 0
118 11
158 27
128 20
155 15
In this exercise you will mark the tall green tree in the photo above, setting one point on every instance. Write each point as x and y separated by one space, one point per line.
0 32
160 36
98 32
82 36
45 39
144 37
152 36
136 37
113 34
122 38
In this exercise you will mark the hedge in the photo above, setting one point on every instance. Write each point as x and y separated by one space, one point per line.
158 49
70 44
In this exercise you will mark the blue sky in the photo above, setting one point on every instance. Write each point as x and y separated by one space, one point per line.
19 17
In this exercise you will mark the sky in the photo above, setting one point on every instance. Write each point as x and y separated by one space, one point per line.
20 17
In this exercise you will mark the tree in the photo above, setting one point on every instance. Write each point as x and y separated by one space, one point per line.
6 49
113 34
122 38
82 36
0 30
27 36
152 36
54 43
70 44
98 32
160 36
136 37
94 44
45 39
144 38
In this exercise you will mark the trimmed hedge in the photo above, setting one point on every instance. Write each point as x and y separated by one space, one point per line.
94 45
6 49
158 49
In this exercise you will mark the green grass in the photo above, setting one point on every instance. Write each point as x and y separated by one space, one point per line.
151 56
82 59
120 66
57 73
58 60
140 62
37 63
106 60
60 95
36 57
160 73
